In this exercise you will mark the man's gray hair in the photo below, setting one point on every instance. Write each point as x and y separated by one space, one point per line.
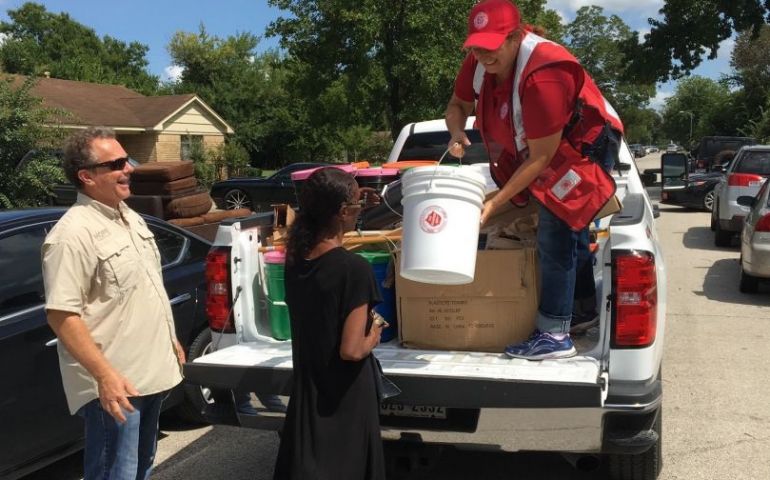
78 152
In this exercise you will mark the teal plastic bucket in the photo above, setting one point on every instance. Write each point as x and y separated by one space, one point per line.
379 262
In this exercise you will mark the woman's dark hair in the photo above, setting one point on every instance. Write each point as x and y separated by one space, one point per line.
320 199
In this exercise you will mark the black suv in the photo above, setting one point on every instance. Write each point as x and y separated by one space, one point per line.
710 146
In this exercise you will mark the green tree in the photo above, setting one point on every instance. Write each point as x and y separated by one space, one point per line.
689 31
708 103
248 89
38 41
751 63
596 41
25 126
396 61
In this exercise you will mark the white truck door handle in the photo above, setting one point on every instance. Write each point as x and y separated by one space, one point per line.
180 299
52 343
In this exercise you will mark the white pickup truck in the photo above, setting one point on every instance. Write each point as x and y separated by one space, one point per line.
604 404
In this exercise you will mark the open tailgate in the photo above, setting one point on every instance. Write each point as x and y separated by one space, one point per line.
425 377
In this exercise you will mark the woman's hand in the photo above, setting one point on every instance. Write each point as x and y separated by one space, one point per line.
488 210
457 145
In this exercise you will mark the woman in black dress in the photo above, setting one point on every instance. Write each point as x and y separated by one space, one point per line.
332 429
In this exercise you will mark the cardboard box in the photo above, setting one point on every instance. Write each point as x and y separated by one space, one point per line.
497 309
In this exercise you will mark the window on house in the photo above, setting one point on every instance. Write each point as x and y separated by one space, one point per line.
190 144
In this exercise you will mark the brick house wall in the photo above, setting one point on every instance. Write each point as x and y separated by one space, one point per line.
140 147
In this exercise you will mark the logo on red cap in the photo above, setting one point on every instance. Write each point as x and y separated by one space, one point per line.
480 20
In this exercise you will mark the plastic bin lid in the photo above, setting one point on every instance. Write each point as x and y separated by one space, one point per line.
404 164
378 172
376 257
276 256
303 174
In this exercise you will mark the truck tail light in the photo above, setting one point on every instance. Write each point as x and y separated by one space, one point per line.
763 225
744 180
636 299
218 300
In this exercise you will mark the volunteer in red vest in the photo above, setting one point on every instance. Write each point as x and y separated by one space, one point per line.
551 136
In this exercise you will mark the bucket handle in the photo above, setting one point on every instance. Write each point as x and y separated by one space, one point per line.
385 199
441 159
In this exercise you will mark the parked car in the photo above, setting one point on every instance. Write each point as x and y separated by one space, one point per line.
637 149
672 147
36 424
648 149
706 151
755 240
746 173
258 193
679 187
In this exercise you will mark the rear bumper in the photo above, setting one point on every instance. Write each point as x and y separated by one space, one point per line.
733 224
756 259
486 414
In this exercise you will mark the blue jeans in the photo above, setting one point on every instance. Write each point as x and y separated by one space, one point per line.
125 451
558 247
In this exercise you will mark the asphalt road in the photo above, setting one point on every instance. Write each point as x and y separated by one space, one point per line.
716 389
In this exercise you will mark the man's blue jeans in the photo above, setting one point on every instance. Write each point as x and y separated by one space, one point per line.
558 247
125 451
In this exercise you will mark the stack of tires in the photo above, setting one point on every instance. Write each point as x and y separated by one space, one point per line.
169 190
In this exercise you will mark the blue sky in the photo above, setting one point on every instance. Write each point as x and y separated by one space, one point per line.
154 22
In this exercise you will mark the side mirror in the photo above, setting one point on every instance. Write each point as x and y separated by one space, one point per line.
655 210
747 201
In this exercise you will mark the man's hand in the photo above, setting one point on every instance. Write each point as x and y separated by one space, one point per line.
114 391
180 352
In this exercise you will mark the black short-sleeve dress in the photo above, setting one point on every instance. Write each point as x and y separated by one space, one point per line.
332 429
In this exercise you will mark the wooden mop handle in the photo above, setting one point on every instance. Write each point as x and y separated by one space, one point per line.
350 239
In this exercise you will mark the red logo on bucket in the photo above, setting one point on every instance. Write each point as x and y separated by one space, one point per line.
433 219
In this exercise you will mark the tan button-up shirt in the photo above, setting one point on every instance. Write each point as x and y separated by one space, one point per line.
103 264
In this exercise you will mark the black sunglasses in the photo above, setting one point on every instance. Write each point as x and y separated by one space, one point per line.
114 165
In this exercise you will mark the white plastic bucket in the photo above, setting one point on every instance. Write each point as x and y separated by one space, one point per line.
442 210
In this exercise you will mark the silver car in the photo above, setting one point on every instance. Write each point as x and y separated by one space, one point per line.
755 240
743 178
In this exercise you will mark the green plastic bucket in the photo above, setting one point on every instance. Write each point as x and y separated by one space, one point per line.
278 312
274 269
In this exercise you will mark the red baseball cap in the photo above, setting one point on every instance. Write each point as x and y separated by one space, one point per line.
490 22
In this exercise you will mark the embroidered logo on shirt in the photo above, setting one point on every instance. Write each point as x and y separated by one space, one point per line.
102 234
480 20
503 111
566 184
433 219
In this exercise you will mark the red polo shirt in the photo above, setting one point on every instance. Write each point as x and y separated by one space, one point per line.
548 99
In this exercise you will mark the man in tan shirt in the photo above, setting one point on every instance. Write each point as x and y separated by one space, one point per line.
106 302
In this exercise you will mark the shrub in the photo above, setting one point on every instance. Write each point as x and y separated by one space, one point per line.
25 126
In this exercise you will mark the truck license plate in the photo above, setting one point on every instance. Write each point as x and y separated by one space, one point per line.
419 411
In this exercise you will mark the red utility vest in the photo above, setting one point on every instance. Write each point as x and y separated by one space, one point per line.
572 186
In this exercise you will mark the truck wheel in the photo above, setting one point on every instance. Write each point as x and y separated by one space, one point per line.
196 397
722 238
642 466
748 283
